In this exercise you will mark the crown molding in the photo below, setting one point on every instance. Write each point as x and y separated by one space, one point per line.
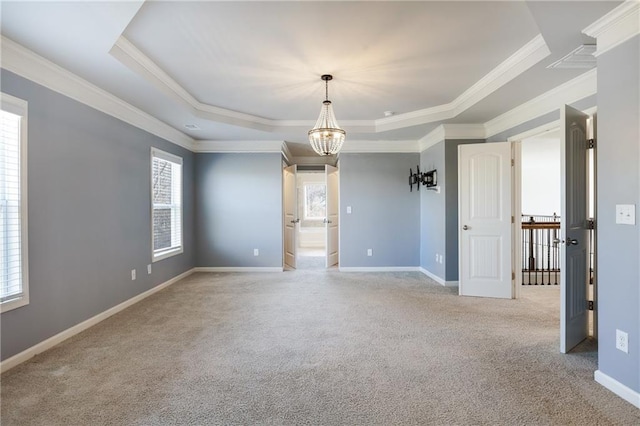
356 146
27 64
452 131
615 27
526 57
274 146
433 137
579 88
545 128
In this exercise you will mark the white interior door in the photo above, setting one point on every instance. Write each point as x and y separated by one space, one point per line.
485 220
290 216
332 219
574 247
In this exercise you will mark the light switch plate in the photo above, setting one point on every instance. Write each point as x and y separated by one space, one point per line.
626 214
348 209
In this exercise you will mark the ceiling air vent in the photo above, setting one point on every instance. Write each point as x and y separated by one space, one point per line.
192 127
580 58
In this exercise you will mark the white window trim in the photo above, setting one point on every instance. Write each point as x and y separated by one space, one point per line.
164 254
20 107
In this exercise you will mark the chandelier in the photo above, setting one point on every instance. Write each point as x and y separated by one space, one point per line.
326 137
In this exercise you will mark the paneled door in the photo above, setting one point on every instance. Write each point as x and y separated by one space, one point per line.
574 247
290 215
332 219
485 220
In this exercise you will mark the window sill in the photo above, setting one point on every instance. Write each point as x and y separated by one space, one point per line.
166 254
14 304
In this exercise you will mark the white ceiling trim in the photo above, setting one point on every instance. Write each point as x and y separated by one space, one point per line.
238 146
356 146
529 55
615 27
433 137
452 131
24 62
567 93
132 57
526 57
551 126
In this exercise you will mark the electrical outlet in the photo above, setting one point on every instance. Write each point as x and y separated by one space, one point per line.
256 252
440 260
133 275
622 341
369 252
149 269
437 257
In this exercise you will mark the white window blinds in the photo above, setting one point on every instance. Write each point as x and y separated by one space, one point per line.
13 287
166 198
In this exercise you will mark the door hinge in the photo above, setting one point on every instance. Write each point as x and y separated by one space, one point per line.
513 162
590 305
591 224
591 143
513 276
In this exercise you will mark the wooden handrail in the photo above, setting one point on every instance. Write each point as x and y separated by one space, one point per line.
540 225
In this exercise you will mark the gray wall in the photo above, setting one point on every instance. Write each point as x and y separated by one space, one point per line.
238 209
439 211
618 182
433 212
385 215
451 194
89 215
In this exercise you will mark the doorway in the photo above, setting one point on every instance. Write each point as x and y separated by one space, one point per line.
541 215
311 219
311 191
490 221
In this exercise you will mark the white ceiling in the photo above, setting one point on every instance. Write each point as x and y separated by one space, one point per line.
251 70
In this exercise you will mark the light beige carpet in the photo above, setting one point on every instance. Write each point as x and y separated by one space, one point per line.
316 347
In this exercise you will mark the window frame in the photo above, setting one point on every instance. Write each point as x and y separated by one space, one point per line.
19 107
157 255
305 204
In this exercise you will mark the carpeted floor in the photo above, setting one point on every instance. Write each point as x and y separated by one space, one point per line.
317 347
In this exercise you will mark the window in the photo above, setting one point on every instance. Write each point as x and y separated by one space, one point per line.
315 201
14 271
166 200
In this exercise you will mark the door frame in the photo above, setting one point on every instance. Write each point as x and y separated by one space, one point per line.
517 265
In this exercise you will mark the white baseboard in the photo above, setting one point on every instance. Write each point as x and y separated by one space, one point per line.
52 341
618 388
239 269
379 269
438 279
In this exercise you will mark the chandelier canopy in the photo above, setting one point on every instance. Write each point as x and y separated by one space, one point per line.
326 137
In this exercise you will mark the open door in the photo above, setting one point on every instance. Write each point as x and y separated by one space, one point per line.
332 219
290 216
485 174
574 247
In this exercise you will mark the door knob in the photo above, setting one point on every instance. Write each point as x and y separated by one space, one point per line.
572 242
465 227
557 241
295 220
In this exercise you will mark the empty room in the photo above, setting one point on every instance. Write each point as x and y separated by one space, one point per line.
320 212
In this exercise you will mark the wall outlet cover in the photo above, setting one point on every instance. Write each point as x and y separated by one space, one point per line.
622 341
133 275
